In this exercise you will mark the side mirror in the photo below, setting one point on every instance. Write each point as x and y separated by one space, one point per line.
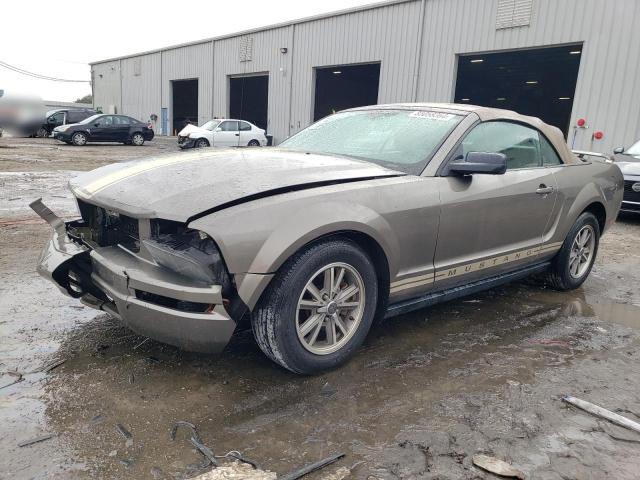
218 129
480 163
618 150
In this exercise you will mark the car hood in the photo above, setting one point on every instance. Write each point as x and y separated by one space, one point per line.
629 168
186 131
180 187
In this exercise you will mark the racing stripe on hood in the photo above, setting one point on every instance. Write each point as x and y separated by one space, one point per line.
131 171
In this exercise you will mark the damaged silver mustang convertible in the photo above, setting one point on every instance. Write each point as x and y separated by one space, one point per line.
368 213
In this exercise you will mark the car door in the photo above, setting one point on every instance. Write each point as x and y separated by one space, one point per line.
227 134
491 224
120 130
246 133
100 128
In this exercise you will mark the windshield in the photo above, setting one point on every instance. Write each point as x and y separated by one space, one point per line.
91 118
403 140
634 149
211 124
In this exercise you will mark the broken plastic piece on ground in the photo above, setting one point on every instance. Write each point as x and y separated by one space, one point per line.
39 439
236 471
312 467
497 466
123 431
50 366
603 413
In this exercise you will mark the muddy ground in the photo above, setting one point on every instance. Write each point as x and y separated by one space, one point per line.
484 374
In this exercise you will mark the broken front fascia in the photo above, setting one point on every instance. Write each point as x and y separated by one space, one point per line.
148 298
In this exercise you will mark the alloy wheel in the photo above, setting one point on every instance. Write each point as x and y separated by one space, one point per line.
138 139
330 308
582 250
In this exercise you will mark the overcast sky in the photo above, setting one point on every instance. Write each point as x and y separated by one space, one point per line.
59 39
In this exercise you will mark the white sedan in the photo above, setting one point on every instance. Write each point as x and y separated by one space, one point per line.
225 132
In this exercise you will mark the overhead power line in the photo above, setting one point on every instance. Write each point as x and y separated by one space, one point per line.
39 76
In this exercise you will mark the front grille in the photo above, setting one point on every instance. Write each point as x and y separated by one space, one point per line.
105 228
629 194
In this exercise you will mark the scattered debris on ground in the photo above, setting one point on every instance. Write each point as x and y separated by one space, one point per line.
39 439
603 413
312 467
497 466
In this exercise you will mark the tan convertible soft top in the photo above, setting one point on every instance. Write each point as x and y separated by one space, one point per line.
554 134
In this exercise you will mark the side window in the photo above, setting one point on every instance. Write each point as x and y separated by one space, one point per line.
105 121
244 126
73 116
56 118
229 126
549 155
520 144
122 120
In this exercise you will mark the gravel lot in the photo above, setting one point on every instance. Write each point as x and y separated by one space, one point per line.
484 374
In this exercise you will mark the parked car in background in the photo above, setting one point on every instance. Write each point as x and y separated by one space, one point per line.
104 128
222 133
56 118
628 159
370 212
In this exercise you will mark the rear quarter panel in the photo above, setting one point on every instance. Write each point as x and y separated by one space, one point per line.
579 186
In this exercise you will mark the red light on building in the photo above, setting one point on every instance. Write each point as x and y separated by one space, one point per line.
581 122
598 135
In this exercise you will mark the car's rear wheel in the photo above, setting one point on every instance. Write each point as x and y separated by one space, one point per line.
572 264
137 139
319 307
254 143
202 143
79 139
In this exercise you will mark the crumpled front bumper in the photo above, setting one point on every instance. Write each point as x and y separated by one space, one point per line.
118 282
187 143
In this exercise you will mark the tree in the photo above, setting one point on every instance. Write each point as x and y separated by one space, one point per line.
85 99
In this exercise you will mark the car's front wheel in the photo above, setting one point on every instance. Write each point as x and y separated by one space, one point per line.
137 139
202 143
572 264
42 133
79 139
319 307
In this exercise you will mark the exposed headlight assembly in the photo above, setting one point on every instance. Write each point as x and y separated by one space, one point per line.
192 254
62 128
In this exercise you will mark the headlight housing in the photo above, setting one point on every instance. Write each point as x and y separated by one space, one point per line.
62 128
190 253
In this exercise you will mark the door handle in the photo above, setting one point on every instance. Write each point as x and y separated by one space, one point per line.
543 189
237 134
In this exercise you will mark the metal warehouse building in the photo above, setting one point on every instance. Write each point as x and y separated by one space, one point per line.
560 60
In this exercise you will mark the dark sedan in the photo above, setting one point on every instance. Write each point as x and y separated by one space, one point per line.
104 128
628 159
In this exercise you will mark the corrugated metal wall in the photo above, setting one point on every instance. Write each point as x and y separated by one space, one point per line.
265 58
607 95
106 85
193 61
388 35
608 89
140 87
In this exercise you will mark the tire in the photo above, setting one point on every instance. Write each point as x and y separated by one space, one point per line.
253 143
79 139
202 143
279 324
42 133
565 273
137 139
